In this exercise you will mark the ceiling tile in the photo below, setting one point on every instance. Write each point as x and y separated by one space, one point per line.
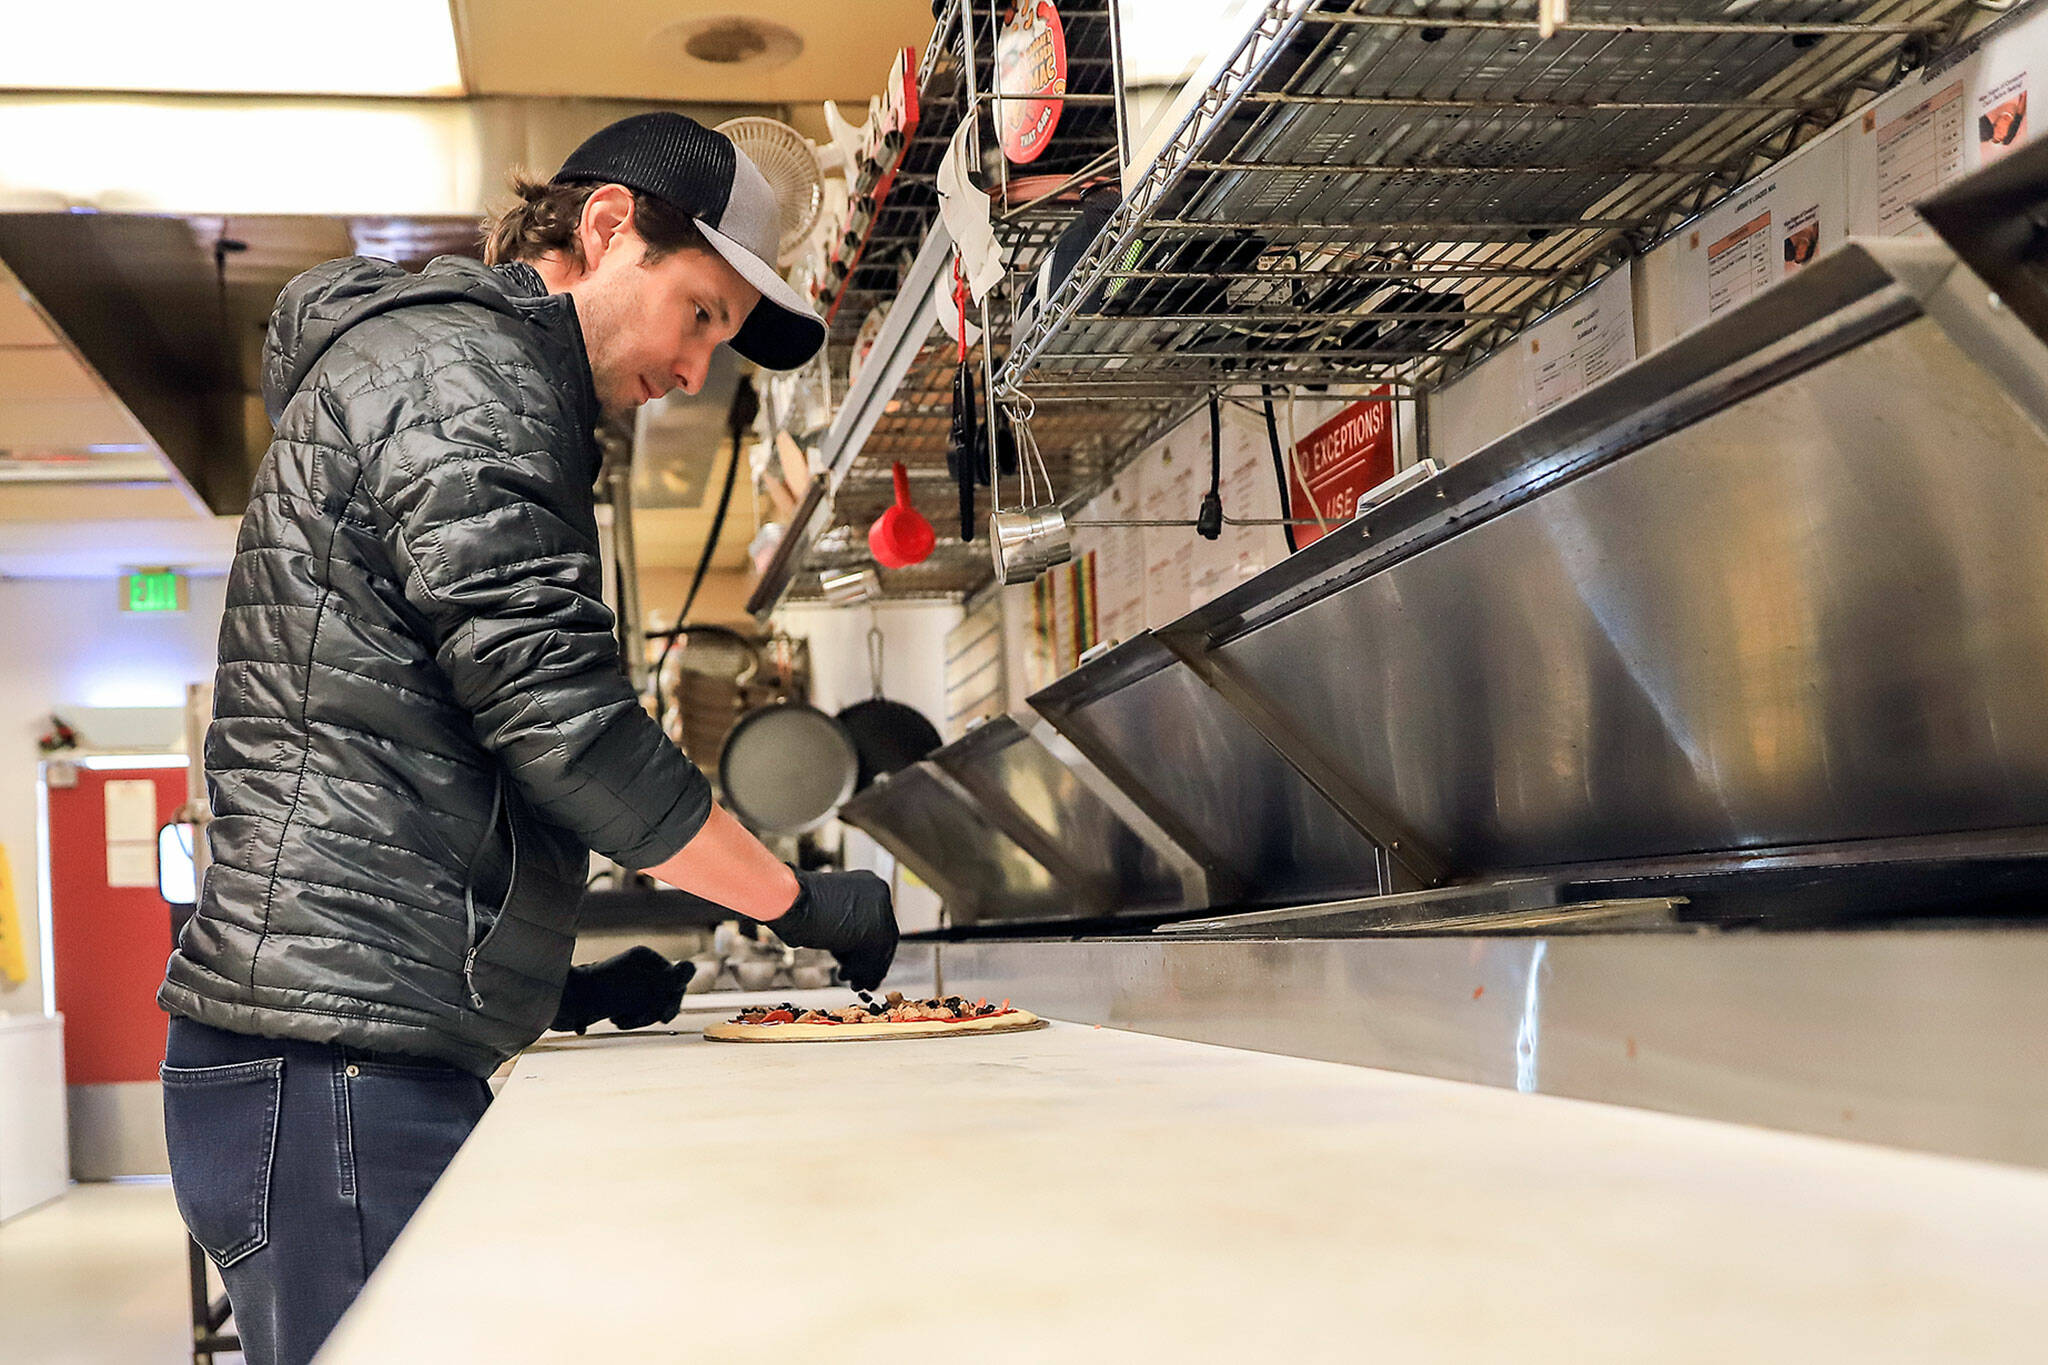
103 549
50 401
20 324
635 49
96 503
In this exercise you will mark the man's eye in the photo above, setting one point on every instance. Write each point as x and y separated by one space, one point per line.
702 317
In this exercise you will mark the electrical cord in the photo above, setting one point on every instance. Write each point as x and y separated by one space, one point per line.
1209 519
746 406
1279 462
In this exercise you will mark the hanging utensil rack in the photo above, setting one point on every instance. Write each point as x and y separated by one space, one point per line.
1371 193
908 409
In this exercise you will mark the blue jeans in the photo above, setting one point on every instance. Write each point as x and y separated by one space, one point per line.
295 1165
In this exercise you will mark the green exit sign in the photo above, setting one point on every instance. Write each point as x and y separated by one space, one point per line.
156 590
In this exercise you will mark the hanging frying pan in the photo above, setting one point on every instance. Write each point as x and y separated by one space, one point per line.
887 735
785 768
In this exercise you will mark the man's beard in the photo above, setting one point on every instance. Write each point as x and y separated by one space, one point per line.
618 392
615 409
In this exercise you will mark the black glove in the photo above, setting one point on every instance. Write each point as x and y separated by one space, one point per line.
848 914
632 989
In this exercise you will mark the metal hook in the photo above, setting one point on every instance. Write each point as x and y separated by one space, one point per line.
1030 456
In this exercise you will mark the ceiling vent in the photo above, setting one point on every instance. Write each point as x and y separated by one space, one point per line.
735 40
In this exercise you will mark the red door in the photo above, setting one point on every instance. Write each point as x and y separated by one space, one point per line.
109 941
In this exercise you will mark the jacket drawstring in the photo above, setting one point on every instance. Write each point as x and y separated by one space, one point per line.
476 999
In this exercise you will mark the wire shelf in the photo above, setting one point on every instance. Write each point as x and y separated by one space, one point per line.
1382 191
1082 444
1087 130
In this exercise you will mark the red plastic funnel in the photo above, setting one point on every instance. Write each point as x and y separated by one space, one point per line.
901 536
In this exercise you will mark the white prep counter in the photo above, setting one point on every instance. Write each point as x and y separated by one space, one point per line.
1082 1194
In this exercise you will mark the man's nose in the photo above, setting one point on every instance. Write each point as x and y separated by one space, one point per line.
693 367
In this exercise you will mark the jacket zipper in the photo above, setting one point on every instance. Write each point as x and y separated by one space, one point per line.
469 920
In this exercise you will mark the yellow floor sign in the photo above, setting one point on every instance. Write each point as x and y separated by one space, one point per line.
13 961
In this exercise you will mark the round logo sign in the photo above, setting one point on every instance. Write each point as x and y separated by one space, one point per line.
1031 72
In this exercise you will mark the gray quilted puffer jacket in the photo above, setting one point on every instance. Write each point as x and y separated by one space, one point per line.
421 726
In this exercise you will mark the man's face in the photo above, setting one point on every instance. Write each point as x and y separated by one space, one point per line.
650 328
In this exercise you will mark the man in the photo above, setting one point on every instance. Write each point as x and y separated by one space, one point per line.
421 726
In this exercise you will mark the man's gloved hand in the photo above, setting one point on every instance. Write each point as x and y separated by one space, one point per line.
632 989
848 914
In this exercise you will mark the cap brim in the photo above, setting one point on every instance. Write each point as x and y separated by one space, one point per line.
782 332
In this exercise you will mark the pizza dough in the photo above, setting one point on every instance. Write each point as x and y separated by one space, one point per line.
727 1031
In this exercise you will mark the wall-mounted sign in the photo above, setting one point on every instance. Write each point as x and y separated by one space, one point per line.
155 590
1338 461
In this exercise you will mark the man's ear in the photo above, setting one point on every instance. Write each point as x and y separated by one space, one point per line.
607 221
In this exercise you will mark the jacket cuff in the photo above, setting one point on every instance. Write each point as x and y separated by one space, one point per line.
675 829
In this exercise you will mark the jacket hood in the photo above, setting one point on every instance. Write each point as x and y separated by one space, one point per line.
315 309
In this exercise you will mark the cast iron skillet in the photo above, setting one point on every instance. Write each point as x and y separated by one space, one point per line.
887 736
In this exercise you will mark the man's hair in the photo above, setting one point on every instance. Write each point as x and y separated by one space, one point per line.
544 221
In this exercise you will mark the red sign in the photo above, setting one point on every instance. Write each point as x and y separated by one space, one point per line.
1338 461
1031 64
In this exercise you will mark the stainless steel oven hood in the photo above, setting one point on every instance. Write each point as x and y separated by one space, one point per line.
1782 583
1010 823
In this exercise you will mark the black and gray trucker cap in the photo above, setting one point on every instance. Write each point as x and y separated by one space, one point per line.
697 169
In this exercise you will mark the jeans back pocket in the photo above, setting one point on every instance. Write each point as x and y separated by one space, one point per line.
220 1123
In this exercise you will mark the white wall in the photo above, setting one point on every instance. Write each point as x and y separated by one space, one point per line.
118 677
913 652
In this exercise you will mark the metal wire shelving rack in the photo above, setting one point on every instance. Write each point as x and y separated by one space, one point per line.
1385 191
1372 196
1082 445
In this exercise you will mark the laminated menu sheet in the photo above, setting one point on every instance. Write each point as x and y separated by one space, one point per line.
1251 492
1580 344
1941 124
1860 178
1119 567
1913 152
1762 233
974 667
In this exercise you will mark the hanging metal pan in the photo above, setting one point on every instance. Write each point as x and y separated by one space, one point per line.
888 735
786 768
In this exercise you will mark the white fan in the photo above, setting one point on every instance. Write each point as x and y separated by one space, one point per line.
790 164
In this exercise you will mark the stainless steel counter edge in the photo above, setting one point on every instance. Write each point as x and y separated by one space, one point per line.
1930 1040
